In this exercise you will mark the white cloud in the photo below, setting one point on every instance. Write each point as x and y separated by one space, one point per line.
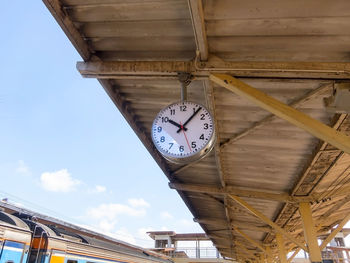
123 234
106 228
106 216
22 168
138 202
111 211
98 189
166 215
59 181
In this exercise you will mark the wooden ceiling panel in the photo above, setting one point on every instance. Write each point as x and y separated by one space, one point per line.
278 31
131 11
143 44
273 55
166 28
308 26
146 55
235 9
291 44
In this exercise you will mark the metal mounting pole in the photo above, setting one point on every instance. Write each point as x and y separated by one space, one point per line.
183 92
185 79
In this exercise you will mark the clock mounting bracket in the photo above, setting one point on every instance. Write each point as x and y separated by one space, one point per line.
185 79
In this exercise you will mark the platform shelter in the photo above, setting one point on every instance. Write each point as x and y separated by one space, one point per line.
274 74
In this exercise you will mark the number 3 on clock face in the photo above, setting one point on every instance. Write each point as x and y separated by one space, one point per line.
183 132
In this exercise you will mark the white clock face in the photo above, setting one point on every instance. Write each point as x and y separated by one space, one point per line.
182 130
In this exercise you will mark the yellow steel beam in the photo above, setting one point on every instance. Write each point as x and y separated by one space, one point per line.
281 197
293 255
197 17
248 238
168 69
301 120
265 219
335 232
249 252
282 254
269 258
241 224
267 120
262 258
310 232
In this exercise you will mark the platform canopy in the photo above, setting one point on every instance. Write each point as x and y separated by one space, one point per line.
278 152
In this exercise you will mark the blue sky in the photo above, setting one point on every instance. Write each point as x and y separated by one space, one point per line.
66 150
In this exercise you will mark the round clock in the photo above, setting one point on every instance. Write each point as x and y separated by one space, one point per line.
183 132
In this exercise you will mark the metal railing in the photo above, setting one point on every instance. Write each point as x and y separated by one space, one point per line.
193 252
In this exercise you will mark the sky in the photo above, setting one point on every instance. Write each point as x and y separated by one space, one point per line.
65 150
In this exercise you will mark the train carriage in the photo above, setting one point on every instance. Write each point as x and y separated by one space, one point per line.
61 246
24 240
15 238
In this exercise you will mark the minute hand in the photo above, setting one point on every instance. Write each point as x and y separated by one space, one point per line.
189 119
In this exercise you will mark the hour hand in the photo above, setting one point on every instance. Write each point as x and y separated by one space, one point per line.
177 125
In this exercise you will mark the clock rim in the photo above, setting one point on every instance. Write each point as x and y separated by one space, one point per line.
198 155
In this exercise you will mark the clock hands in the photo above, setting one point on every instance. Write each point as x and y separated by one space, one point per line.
177 125
183 129
189 119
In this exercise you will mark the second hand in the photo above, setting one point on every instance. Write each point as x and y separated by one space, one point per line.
183 130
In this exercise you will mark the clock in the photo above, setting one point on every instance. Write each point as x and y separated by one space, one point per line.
183 132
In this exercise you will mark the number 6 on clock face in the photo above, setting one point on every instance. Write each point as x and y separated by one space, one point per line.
183 132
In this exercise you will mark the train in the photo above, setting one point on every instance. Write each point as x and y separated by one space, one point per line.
24 240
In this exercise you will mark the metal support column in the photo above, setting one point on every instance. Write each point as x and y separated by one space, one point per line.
197 249
310 232
282 254
262 258
269 258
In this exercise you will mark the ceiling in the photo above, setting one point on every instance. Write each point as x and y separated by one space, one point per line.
294 51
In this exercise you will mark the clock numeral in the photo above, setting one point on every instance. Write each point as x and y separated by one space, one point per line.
165 119
202 116
193 145
206 126
162 139
171 145
159 129
172 112
201 137
181 148
194 110
183 108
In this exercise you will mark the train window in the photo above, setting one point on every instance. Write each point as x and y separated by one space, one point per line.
7 219
72 261
9 261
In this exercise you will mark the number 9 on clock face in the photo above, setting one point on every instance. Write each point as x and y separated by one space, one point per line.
183 132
